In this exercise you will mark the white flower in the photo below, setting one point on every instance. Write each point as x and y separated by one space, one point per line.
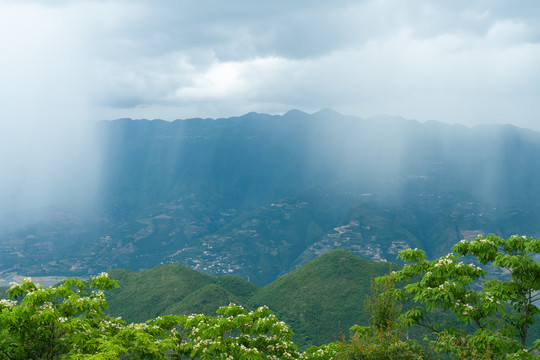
7 303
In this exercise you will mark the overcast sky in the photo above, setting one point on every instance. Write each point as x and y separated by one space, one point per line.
455 61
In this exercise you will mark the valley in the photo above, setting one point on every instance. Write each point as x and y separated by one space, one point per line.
257 196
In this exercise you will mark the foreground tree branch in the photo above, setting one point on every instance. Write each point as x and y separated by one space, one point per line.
502 309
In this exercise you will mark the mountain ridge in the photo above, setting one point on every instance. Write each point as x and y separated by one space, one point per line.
258 195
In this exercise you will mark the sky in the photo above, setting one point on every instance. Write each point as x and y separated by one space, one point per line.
67 63
469 62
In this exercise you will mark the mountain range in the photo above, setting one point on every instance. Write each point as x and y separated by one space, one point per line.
259 195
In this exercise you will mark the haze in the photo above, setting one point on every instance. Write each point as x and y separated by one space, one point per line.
66 63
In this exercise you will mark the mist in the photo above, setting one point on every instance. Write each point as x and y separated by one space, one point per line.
48 153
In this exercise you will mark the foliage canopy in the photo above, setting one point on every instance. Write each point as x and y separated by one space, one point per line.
68 321
495 292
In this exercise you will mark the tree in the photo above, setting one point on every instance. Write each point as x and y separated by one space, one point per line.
382 307
68 322
499 305
384 338
49 322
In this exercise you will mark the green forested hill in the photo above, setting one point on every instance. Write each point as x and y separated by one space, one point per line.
322 296
173 289
315 300
318 300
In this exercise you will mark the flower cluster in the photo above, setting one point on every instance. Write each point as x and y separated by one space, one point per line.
6 303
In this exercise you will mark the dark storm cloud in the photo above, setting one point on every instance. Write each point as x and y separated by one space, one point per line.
454 61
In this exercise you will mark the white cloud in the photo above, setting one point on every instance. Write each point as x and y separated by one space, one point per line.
420 59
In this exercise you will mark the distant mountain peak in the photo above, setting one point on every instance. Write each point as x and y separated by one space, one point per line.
327 112
295 113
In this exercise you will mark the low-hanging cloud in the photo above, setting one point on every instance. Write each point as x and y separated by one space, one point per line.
47 152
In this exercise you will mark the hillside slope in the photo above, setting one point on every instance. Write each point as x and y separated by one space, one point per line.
173 289
315 300
257 195
323 296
